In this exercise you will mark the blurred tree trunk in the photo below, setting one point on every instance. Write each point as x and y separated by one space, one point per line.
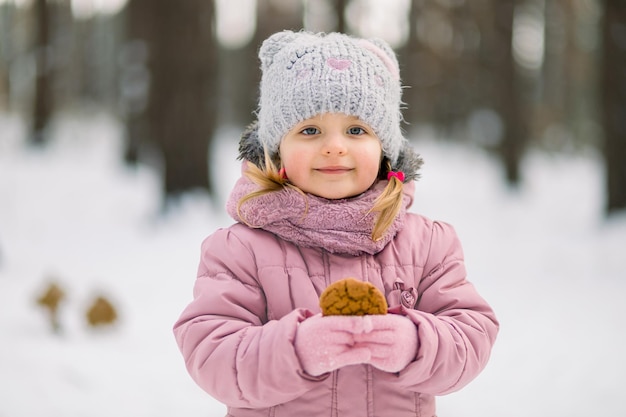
6 52
509 100
463 63
581 95
424 71
42 106
182 107
276 15
436 65
340 13
560 52
410 67
614 102
135 79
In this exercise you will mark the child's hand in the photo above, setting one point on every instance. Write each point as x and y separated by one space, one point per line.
324 344
392 341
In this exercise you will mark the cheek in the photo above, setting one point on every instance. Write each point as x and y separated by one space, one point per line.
292 159
289 159
370 159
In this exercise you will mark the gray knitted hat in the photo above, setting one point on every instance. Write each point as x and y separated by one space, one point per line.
306 74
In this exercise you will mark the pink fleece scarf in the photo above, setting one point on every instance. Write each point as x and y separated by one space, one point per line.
338 226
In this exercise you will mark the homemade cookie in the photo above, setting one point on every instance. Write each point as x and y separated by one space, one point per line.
351 297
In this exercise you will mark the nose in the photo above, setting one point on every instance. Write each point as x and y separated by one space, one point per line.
334 144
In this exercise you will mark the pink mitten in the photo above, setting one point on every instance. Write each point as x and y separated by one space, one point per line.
392 341
324 344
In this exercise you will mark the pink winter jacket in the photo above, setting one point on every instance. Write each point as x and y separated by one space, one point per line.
254 287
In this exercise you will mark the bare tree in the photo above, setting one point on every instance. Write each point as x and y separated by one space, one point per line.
340 13
440 63
508 91
409 60
426 71
182 107
614 102
42 106
6 51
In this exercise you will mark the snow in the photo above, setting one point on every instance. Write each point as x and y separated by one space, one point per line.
544 257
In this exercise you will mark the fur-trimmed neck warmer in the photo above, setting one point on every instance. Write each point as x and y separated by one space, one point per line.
337 226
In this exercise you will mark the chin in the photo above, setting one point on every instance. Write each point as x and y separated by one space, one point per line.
333 191
339 196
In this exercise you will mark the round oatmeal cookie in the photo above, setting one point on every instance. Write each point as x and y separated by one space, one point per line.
351 297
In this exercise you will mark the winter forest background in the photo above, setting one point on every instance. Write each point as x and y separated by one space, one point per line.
119 122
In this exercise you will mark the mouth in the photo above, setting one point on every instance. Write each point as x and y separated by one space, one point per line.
333 170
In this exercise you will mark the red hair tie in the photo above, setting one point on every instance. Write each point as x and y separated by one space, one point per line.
398 174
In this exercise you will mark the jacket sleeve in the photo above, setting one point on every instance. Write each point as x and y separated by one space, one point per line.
456 326
230 348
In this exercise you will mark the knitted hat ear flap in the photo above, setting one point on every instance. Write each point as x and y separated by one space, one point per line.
409 162
251 149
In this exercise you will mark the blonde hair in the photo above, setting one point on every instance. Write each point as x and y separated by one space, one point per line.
388 203
271 179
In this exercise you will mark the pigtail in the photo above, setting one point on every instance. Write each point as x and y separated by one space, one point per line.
269 179
388 203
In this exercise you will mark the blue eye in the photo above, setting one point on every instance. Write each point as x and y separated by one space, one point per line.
310 131
356 130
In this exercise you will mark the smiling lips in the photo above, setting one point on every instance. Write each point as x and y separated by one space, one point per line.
333 170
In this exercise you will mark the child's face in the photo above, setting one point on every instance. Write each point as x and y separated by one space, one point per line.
331 155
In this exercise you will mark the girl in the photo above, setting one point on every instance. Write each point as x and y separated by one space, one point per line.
324 196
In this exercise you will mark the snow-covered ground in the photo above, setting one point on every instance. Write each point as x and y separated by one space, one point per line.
545 258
